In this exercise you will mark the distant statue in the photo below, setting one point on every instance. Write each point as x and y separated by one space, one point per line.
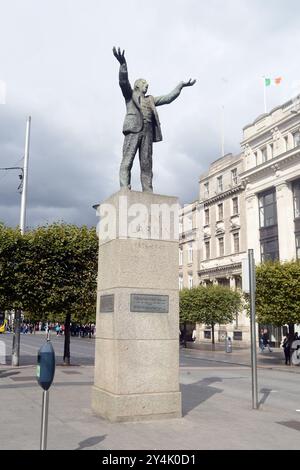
141 126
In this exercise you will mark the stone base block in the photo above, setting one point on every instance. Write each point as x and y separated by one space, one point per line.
136 407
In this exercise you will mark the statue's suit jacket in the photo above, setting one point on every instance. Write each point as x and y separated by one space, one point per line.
133 122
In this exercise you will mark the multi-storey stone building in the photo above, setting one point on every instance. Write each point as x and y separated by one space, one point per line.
188 245
223 236
251 200
272 186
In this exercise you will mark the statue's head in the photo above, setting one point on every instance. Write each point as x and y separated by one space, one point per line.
141 86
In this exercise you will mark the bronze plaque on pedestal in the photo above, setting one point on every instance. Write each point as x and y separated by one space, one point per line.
149 303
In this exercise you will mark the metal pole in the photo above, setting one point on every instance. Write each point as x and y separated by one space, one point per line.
25 178
15 357
44 426
16 338
253 329
265 95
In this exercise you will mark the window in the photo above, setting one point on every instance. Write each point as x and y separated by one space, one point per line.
206 190
296 137
255 157
238 335
236 242
269 250
271 150
180 226
223 281
286 139
207 250
267 209
180 282
234 180
220 184
221 246
220 212
235 205
206 216
264 154
190 253
190 281
298 245
180 256
296 194
187 222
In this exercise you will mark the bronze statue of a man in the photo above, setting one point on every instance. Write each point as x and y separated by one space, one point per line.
141 126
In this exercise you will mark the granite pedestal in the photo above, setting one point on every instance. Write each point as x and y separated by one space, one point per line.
137 328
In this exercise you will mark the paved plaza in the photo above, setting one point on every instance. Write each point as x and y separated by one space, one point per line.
216 395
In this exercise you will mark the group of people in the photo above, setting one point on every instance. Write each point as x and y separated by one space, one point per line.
83 330
290 344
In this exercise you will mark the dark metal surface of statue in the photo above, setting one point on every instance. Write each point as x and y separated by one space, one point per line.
141 126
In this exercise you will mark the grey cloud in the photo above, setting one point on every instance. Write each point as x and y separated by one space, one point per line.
59 67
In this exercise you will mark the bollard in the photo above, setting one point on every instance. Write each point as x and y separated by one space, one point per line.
228 345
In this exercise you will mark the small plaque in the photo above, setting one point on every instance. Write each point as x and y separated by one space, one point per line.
149 303
107 303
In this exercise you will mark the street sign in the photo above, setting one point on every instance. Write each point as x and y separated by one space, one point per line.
245 276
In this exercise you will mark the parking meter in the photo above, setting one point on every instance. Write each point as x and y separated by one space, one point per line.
45 375
45 366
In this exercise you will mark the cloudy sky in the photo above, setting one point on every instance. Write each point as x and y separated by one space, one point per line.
56 60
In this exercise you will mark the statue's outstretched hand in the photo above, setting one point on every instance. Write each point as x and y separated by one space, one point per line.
120 56
189 83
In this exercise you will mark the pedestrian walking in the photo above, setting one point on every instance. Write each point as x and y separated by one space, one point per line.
261 340
266 340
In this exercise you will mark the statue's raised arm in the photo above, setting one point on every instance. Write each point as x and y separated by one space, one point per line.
123 73
167 99
120 56
189 83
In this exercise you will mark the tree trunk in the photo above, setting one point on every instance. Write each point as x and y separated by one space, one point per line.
67 340
291 328
213 335
184 334
15 359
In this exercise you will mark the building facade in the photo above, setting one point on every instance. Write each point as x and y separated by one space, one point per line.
222 244
251 200
189 245
271 178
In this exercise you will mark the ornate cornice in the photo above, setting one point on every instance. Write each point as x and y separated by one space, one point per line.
274 165
220 269
222 195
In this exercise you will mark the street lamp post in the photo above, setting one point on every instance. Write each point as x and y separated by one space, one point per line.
25 178
17 320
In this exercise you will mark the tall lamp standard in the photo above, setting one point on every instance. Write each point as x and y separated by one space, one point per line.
15 359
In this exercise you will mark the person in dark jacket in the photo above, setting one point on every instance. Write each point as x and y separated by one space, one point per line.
287 349
266 340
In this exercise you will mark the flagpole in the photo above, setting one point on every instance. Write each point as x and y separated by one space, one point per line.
265 94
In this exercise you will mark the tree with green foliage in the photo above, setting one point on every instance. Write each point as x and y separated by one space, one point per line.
11 253
50 272
210 305
278 293
60 272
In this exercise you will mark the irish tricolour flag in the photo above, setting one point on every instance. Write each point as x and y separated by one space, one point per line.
273 81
